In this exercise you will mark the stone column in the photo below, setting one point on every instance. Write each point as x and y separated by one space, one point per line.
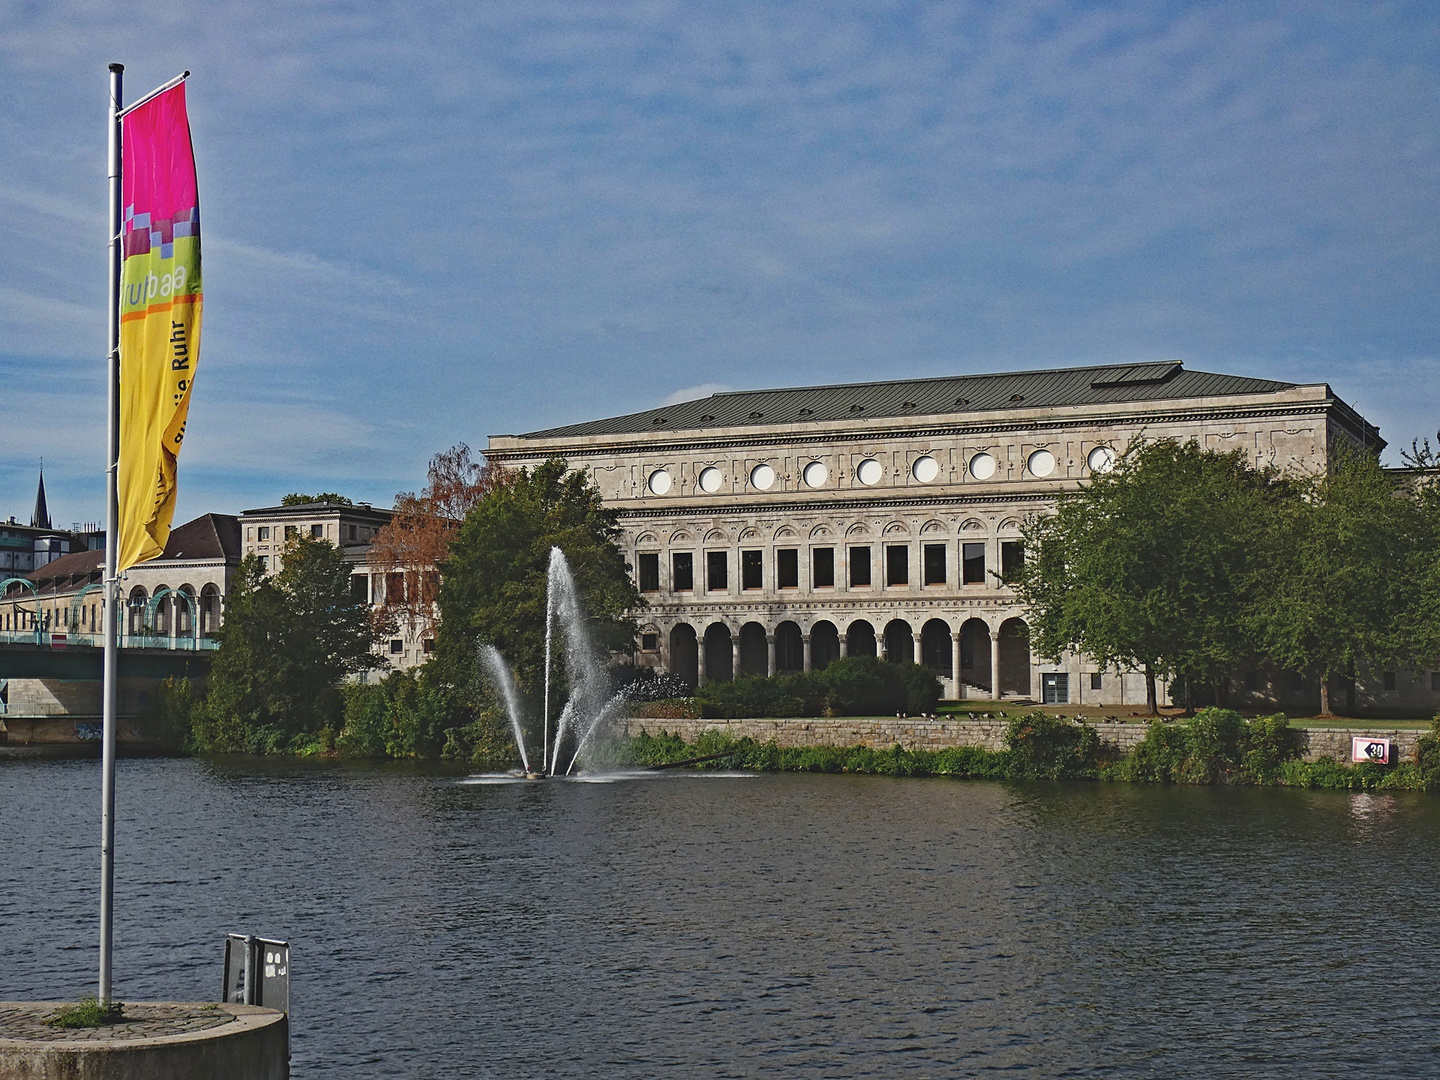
955 666
806 640
770 653
735 656
918 654
700 660
995 665
844 645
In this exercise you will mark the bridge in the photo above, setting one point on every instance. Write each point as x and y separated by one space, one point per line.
45 654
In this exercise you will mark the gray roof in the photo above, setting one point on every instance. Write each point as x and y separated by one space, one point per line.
312 509
951 395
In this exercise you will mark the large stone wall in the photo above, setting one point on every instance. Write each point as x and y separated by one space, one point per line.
918 734
34 698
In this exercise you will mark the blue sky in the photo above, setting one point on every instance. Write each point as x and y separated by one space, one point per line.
431 222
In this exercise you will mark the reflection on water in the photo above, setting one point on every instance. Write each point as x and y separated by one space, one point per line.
710 926
599 777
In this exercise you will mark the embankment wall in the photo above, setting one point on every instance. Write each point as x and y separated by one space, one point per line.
914 733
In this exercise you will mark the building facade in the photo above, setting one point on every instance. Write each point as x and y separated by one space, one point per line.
775 530
176 598
352 528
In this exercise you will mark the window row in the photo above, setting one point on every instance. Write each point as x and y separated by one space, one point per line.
350 533
925 469
865 566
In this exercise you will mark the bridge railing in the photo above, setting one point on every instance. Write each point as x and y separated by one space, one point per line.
46 640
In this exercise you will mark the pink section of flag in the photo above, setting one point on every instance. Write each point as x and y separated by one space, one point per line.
159 194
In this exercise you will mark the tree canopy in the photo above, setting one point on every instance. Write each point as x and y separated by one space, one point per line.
287 643
493 581
1343 562
1150 564
1187 563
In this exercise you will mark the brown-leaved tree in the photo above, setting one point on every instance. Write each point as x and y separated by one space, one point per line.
409 550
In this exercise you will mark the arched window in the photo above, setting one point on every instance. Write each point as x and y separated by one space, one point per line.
135 605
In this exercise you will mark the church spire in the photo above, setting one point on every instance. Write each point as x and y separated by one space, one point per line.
41 518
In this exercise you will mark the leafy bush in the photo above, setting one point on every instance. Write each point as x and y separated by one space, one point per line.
1157 759
646 749
398 717
1040 745
167 720
862 686
486 741
1214 737
1216 746
1270 742
922 688
1427 758
852 686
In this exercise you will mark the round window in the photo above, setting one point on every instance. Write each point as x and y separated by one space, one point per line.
762 477
982 466
869 472
710 479
1101 459
925 469
1041 463
659 482
816 474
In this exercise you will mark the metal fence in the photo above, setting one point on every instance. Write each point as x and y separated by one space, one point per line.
47 639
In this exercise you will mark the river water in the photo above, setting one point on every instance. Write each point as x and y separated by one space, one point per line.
735 926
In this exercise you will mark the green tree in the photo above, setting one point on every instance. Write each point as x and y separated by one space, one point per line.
1342 576
493 582
1421 616
287 643
1153 564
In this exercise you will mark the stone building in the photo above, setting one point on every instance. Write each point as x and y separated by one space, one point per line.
24 548
775 530
177 597
352 528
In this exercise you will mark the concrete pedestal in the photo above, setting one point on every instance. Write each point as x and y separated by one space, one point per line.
157 1040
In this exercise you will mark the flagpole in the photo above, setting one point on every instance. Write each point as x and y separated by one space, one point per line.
112 584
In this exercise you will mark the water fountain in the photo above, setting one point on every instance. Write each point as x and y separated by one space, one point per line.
590 703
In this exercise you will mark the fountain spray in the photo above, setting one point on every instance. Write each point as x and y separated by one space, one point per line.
586 707
500 671
549 628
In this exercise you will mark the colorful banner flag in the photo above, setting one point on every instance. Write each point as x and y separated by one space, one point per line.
160 301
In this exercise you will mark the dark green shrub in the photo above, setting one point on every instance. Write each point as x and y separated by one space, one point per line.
807 688
1270 742
647 749
401 717
1040 745
922 688
1216 746
747 696
167 720
1427 758
973 762
1158 758
1214 737
863 686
